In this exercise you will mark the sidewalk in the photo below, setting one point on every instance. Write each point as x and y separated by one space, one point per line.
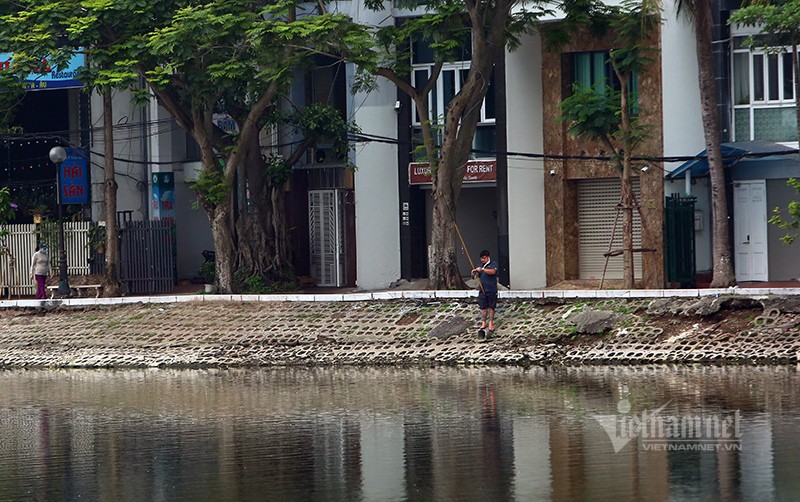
414 289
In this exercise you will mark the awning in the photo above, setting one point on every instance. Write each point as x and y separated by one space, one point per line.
737 153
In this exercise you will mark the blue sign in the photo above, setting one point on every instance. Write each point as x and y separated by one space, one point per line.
50 78
163 201
73 177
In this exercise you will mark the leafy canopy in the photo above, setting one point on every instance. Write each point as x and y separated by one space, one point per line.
779 23
791 222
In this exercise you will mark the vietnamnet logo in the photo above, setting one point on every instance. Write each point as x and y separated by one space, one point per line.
660 432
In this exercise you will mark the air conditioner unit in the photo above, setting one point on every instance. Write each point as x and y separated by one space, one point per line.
325 154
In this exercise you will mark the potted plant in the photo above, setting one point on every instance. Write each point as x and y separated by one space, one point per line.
208 273
97 238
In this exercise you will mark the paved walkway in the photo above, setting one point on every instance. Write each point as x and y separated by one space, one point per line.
400 327
412 294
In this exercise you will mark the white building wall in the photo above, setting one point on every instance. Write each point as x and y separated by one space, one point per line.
683 125
377 198
130 176
150 141
166 150
376 191
526 227
192 228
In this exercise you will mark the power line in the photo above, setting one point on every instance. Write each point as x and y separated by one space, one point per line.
362 137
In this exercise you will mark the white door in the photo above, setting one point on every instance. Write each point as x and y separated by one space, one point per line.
326 237
750 230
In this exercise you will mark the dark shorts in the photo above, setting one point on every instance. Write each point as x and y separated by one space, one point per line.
487 300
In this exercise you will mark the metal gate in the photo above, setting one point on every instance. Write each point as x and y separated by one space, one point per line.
147 256
679 241
326 236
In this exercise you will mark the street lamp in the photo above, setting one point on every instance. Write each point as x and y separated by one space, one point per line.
57 156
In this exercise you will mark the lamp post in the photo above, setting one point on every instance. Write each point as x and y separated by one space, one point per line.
57 156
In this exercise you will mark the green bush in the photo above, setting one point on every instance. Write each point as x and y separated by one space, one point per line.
208 272
258 285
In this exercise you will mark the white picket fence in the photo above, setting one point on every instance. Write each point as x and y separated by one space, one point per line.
18 247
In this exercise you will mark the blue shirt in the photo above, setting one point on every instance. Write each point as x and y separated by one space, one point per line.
489 281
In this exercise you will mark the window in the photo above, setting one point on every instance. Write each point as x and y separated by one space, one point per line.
590 69
450 81
593 69
772 76
763 94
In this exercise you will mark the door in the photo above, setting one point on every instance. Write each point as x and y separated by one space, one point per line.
750 230
326 236
598 221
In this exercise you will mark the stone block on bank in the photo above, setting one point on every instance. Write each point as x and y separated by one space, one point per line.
594 322
455 326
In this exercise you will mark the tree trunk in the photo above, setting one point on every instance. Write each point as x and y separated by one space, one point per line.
461 123
444 273
261 227
627 223
796 71
224 246
626 183
723 275
254 251
111 281
283 250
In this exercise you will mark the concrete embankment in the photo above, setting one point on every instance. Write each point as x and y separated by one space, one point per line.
717 329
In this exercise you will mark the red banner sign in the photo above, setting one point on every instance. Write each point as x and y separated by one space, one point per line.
478 171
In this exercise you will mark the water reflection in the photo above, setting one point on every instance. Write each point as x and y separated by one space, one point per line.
392 434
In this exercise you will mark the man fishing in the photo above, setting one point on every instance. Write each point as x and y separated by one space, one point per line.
487 297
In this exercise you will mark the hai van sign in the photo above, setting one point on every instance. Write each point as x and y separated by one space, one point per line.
478 171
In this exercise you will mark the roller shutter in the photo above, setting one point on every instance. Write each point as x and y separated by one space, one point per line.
597 202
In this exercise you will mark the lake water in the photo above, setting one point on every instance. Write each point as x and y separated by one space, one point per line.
597 433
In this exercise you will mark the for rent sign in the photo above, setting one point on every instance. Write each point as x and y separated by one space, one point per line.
73 177
478 171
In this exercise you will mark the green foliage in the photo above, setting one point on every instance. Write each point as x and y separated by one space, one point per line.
593 15
7 209
318 124
48 234
322 124
778 23
277 171
258 285
591 114
791 222
97 237
596 114
12 91
444 27
211 186
208 272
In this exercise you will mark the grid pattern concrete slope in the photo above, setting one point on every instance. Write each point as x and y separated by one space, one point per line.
390 332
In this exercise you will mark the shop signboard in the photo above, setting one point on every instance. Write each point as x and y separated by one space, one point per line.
478 171
73 177
50 77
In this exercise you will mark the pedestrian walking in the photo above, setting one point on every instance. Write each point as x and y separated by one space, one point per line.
487 297
40 269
